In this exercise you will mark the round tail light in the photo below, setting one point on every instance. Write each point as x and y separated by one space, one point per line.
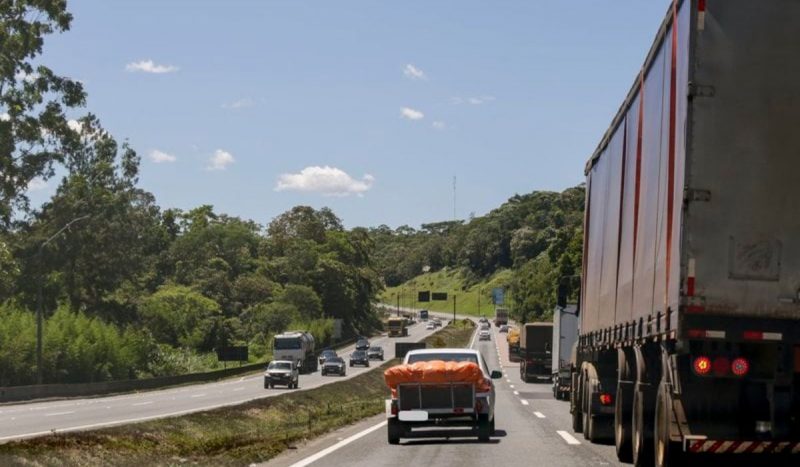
740 366
702 366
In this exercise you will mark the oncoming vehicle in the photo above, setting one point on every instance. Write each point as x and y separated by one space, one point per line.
362 343
359 357
375 353
325 355
484 335
430 326
397 327
468 401
503 328
334 365
283 372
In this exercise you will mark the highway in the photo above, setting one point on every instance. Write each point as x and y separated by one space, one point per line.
532 429
42 418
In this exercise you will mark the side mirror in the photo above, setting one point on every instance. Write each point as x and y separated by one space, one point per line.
497 374
563 292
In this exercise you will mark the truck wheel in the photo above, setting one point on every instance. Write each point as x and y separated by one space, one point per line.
642 440
484 429
667 453
266 384
622 421
492 430
394 430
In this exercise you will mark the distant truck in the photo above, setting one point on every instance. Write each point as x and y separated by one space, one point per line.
298 347
423 315
500 316
565 334
535 349
690 296
513 344
397 327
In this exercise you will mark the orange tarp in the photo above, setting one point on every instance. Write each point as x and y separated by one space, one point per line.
437 371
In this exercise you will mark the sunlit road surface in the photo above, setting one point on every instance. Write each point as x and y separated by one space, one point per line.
532 429
42 418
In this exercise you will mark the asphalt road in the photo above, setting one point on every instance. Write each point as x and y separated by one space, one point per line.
43 418
532 429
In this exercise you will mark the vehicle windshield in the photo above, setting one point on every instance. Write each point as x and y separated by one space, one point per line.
446 357
375 349
328 353
287 343
279 366
334 360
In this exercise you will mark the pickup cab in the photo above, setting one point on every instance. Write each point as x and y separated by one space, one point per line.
283 372
417 404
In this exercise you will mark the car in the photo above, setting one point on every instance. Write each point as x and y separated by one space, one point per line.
484 335
375 353
437 322
359 357
483 320
485 326
362 343
282 372
334 366
325 355
430 325
503 328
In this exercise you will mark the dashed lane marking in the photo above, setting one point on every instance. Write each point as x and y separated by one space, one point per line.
516 393
539 415
142 403
568 438
524 402
55 414
339 445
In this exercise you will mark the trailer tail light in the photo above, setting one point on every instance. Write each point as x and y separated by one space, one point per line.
701 15
702 366
721 366
478 406
705 334
740 366
394 408
606 399
761 336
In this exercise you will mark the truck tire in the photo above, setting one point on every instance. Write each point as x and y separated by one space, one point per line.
394 430
667 452
266 384
492 430
484 428
622 421
642 441
575 403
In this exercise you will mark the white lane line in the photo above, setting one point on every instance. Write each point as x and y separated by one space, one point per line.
539 415
524 402
337 446
508 380
142 403
511 386
54 414
516 393
198 395
238 389
568 437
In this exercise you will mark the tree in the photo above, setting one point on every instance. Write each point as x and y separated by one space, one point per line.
304 300
35 133
9 270
180 316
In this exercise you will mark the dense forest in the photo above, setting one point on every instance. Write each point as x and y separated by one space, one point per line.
537 236
130 289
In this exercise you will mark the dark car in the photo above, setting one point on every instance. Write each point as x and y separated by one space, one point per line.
359 357
334 366
325 355
375 353
362 343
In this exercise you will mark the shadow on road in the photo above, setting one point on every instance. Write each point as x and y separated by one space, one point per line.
450 436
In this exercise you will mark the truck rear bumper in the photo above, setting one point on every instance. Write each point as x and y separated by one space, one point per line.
708 446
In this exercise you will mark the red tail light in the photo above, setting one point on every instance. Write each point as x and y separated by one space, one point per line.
478 406
721 366
394 408
702 366
740 366
606 399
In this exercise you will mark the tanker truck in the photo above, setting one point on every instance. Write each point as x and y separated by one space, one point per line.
689 341
296 346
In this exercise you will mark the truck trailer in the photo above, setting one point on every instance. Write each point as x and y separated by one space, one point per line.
690 293
535 350
298 347
500 316
565 335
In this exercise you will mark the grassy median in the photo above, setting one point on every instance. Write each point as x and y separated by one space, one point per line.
253 432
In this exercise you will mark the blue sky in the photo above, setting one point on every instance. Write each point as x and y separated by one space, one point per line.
257 106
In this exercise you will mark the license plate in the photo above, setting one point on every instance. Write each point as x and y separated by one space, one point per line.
413 416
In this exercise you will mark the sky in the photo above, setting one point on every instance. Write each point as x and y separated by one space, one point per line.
368 107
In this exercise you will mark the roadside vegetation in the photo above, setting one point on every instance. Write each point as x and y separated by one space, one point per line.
253 432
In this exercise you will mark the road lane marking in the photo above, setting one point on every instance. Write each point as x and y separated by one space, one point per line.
516 393
524 402
337 446
511 386
54 414
142 403
568 438
238 389
198 395
508 380
539 415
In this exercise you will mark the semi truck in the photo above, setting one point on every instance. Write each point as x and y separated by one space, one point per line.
423 315
298 347
513 344
565 335
500 316
535 349
690 290
397 327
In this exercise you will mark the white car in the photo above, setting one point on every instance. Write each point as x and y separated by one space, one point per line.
484 335
430 325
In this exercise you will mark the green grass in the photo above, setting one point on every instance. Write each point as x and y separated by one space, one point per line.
453 282
253 432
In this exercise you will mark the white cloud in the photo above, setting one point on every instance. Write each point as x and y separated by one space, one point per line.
239 104
412 72
159 157
411 114
37 184
329 181
4 117
75 126
148 66
220 160
439 125
471 100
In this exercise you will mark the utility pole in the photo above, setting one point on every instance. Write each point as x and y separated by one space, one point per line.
479 302
398 303
454 308
39 294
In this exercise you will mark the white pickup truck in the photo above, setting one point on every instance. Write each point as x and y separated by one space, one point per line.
418 404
